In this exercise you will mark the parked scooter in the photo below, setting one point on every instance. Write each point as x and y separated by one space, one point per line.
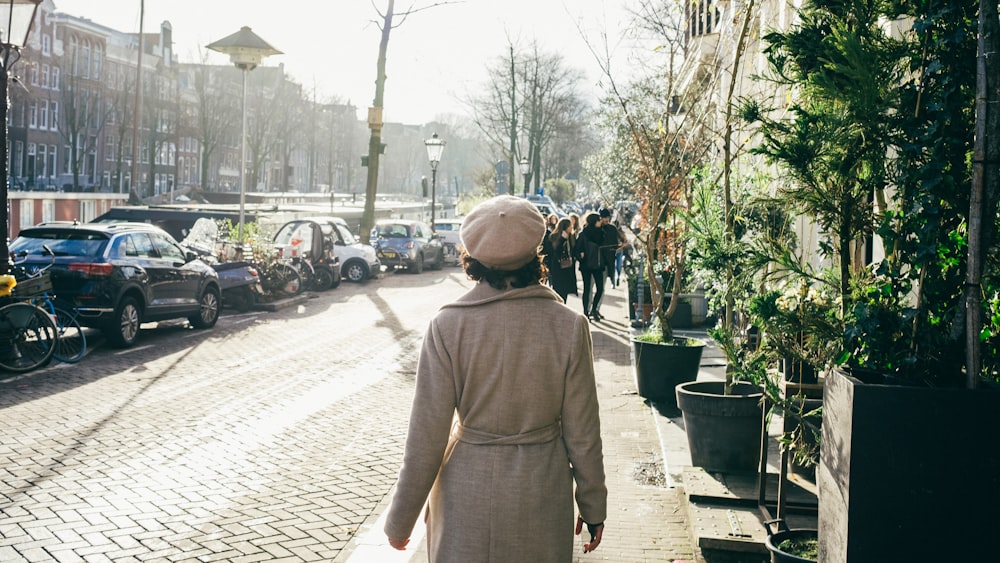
239 280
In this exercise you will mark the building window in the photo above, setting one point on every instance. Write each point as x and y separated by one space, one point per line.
65 159
98 56
48 210
34 75
33 115
703 17
27 214
87 210
54 116
55 78
41 163
53 160
109 148
43 114
17 160
74 53
46 45
85 59
45 76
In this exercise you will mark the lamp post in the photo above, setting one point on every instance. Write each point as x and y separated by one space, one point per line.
245 49
435 147
13 35
526 172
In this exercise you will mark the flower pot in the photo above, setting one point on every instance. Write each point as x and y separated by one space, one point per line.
907 473
797 371
778 555
723 431
661 367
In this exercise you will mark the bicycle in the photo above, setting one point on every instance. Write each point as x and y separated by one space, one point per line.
34 288
28 333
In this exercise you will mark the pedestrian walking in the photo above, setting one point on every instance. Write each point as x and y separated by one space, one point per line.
611 248
562 274
499 483
592 270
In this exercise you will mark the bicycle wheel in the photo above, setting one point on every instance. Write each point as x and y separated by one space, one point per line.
284 279
27 337
71 345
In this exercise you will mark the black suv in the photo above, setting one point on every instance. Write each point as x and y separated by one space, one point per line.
121 275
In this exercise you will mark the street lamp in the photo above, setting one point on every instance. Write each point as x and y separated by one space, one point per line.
526 172
245 49
13 36
435 147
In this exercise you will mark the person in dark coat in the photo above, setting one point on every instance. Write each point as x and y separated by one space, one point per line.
560 262
588 253
614 241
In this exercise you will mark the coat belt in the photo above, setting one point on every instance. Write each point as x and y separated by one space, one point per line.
480 438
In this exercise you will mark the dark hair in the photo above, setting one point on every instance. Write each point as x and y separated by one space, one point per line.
530 274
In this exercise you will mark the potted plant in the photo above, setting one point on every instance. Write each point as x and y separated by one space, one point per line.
879 106
656 146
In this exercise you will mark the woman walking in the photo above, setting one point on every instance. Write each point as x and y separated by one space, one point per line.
562 275
499 483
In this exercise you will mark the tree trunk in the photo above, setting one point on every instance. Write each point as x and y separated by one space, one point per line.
375 124
983 199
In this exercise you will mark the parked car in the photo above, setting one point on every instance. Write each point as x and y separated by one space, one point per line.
407 244
545 205
448 230
358 262
121 275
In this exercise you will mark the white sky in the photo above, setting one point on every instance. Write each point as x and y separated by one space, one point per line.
435 57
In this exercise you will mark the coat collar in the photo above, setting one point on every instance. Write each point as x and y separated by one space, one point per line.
484 293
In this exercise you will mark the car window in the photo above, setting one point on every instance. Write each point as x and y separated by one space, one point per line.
140 246
345 233
62 243
418 232
167 248
393 230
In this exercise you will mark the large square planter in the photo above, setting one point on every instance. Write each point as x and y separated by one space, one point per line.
908 473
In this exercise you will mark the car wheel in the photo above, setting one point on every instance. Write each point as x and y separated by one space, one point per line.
124 329
355 271
323 280
418 265
208 309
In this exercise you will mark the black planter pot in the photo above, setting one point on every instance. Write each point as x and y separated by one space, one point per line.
896 461
798 372
723 431
659 368
779 556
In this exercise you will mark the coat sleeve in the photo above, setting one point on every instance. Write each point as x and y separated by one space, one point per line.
431 417
582 429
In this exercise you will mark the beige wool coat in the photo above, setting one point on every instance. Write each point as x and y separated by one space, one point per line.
517 368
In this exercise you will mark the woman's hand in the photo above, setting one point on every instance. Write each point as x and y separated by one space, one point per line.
596 531
399 544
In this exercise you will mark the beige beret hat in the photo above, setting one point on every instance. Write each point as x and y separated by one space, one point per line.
503 233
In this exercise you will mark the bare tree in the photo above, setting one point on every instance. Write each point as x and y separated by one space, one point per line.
531 102
375 113
82 117
215 113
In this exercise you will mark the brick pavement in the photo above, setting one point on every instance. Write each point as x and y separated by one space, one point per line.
648 519
181 450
